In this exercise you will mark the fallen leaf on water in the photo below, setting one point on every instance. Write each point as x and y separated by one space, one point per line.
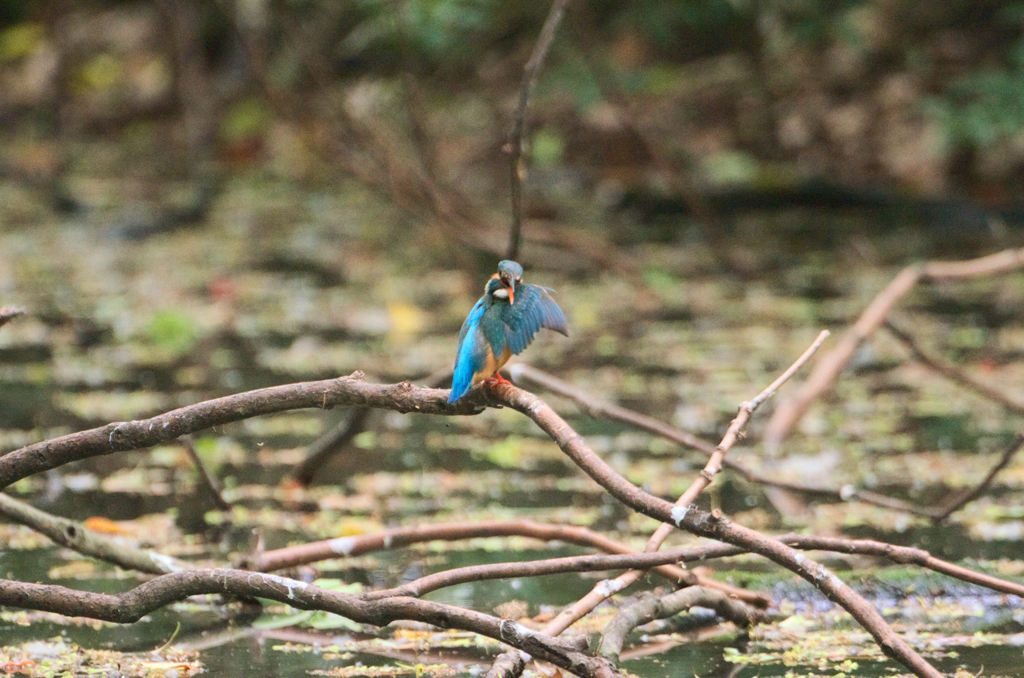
101 524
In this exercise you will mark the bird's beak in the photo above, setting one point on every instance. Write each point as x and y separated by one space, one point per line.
511 293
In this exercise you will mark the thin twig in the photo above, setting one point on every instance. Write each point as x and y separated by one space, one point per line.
851 493
327 446
598 408
206 479
516 137
9 313
958 503
952 373
788 374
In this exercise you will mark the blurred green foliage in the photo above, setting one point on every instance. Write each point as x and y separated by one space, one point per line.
20 40
664 21
506 453
664 53
548 147
435 34
172 331
984 108
245 119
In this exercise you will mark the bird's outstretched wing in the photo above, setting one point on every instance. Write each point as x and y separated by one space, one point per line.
471 354
533 309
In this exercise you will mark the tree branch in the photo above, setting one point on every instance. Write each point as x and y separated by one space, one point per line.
206 479
597 408
539 568
404 397
326 446
712 526
77 537
399 537
147 597
952 373
828 369
958 503
514 146
349 391
619 558
9 313
604 590
651 607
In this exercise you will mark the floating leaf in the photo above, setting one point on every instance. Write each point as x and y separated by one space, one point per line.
20 41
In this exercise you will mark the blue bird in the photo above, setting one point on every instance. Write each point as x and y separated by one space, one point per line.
502 324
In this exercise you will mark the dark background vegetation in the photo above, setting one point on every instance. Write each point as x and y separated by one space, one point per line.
917 98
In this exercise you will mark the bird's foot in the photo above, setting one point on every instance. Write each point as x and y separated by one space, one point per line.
497 379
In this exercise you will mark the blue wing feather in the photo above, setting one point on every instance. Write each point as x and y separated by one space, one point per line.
494 326
534 308
471 354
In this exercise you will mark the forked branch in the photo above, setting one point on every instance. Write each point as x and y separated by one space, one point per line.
132 605
829 367
355 391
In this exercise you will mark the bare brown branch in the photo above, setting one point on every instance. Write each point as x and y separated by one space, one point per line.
349 391
958 502
206 479
621 557
327 446
538 568
132 605
712 526
507 664
599 408
516 137
585 605
522 372
952 373
399 537
75 536
354 391
651 607
828 369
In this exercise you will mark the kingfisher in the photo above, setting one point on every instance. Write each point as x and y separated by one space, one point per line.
502 324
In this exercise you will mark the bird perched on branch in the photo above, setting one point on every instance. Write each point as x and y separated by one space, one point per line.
502 324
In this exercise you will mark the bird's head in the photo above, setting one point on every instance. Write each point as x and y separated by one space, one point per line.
503 284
